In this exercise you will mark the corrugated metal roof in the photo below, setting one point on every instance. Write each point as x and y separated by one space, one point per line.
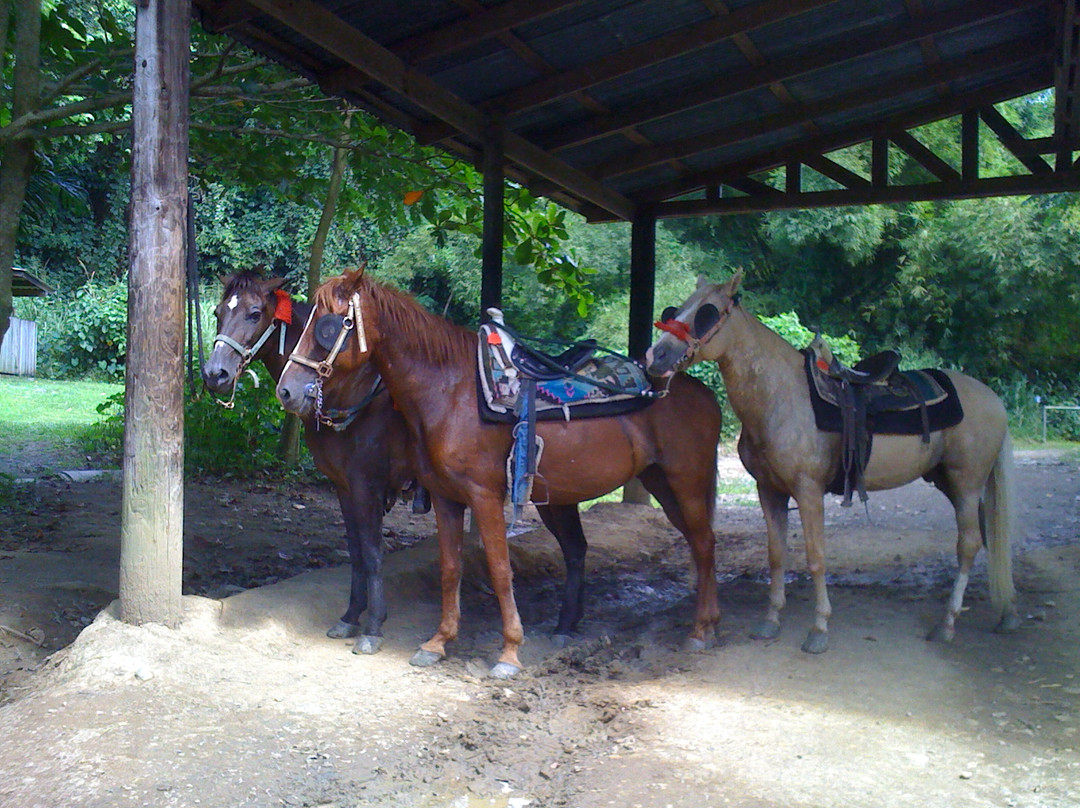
629 102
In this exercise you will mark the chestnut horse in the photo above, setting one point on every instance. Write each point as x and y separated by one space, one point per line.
789 456
367 460
429 365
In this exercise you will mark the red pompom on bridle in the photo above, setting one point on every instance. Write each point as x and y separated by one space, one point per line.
676 328
283 311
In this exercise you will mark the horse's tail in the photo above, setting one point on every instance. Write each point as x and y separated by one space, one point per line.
999 524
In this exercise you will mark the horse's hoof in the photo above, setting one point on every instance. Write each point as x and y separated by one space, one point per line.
561 640
425 659
691 644
343 631
765 630
504 670
941 634
1009 623
817 642
367 644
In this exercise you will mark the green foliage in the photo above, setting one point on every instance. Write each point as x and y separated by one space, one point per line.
87 335
228 442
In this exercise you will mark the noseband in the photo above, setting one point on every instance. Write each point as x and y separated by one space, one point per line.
354 319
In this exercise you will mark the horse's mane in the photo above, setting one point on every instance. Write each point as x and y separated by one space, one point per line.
427 335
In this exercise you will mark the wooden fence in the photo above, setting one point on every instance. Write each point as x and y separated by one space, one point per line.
18 354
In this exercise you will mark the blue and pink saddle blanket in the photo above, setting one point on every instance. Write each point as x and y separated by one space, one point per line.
520 384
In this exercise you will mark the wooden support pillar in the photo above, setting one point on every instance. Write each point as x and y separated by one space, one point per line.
642 282
642 303
151 533
492 248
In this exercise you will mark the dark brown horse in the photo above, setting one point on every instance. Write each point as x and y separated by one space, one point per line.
366 459
790 457
429 365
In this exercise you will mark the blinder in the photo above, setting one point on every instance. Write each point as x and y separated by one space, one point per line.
327 329
706 317
668 314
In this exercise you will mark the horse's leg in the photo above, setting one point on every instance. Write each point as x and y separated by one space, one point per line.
564 522
812 513
488 512
687 504
368 498
450 519
774 505
968 542
349 624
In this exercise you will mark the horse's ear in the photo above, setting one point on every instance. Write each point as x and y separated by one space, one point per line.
733 284
702 280
272 284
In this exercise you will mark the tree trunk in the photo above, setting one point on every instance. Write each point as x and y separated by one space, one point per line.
289 448
151 538
17 161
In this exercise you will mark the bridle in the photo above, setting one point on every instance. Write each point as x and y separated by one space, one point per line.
705 328
354 319
282 315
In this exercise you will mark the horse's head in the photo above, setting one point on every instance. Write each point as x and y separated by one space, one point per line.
336 342
693 331
245 321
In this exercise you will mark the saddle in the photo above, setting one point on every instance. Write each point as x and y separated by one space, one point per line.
520 384
874 396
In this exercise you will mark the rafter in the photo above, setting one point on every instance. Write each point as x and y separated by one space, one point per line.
1010 53
360 51
476 28
654 51
780 70
805 151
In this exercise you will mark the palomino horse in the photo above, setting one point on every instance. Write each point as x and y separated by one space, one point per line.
367 460
429 365
788 456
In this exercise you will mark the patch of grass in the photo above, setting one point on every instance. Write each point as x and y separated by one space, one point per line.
58 413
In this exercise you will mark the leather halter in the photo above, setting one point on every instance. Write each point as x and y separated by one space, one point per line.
354 319
681 331
246 355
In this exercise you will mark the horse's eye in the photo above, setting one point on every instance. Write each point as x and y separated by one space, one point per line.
327 329
668 314
254 315
706 317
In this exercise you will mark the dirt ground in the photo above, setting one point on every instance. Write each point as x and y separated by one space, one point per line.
248 703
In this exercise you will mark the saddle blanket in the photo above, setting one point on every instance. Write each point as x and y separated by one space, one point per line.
892 410
601 385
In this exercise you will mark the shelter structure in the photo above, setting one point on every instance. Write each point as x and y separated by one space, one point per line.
18 351
639 109
623 110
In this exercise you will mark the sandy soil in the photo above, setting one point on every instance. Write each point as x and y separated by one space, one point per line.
249 704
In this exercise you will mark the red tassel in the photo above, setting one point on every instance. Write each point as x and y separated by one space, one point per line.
283 311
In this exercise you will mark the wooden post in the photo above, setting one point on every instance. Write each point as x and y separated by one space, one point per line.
642 302
151 537
492 247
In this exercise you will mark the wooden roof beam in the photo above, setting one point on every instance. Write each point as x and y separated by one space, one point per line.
1013 141
356 49
476 28
642 159
1022 184
779 70
1066 79
654 51
805 151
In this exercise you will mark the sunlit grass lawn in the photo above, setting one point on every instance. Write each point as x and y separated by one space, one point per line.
46 410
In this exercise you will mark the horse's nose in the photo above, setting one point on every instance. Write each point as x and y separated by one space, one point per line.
654 356
215 378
